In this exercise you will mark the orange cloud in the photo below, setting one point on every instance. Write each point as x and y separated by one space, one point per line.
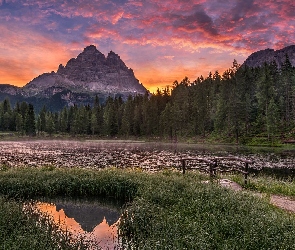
25 54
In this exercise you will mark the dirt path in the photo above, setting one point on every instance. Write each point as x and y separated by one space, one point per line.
283 202
230 184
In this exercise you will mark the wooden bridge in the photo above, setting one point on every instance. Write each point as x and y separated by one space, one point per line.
216 165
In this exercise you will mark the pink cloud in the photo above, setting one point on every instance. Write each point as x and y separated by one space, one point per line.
195 20
169 57
134 3
229 27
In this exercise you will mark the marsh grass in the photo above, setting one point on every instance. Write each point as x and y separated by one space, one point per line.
268 184
25 183
21 229
166 210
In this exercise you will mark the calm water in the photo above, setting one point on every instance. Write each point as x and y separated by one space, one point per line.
96 223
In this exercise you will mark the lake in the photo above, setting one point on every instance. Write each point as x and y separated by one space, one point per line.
150 156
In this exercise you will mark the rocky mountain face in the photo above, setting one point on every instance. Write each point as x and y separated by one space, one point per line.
9 89
79 81
258 58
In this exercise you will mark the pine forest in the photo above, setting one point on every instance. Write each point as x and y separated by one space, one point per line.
243 105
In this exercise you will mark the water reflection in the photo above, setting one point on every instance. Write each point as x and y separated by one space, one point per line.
95 223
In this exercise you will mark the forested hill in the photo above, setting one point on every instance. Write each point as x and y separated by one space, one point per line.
241 104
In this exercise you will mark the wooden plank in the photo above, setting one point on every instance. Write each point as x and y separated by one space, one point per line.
198 159
232 158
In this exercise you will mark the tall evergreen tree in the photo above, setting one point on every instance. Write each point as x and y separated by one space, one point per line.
30 126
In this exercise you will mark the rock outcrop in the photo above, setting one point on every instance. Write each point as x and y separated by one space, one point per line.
92 73
9 89
257 59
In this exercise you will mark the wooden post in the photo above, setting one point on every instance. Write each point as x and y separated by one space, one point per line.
215 166
211 170
246 172
183 165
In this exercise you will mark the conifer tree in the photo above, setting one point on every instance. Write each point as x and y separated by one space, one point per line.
30 126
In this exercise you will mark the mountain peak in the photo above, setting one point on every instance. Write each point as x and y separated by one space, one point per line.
114 60
113 54
90 48
91 74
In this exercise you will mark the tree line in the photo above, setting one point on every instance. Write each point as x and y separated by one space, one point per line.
241 104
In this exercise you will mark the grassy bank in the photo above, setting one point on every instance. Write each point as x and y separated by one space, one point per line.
165 210
19 230
52 182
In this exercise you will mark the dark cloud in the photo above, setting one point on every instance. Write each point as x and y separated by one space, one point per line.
198 21
242 9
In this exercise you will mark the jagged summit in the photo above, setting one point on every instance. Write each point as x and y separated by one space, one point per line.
114 59
257 59
91 65
90 72
83 78
91 48
93 59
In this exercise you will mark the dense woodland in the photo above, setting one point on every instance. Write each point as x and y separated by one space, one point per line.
241 105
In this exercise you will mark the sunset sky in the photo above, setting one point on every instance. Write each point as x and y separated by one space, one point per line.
160 40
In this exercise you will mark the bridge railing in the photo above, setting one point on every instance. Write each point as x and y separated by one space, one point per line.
217 165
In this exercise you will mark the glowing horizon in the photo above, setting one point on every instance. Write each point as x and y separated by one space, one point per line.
162 41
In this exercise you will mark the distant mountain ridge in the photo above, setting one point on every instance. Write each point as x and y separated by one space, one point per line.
257 59
88 75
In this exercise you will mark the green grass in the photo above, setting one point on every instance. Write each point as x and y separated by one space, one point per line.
50 182
268 184
21 231
164 211
180 212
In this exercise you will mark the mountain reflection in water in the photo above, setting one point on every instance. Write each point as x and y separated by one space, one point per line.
97 224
